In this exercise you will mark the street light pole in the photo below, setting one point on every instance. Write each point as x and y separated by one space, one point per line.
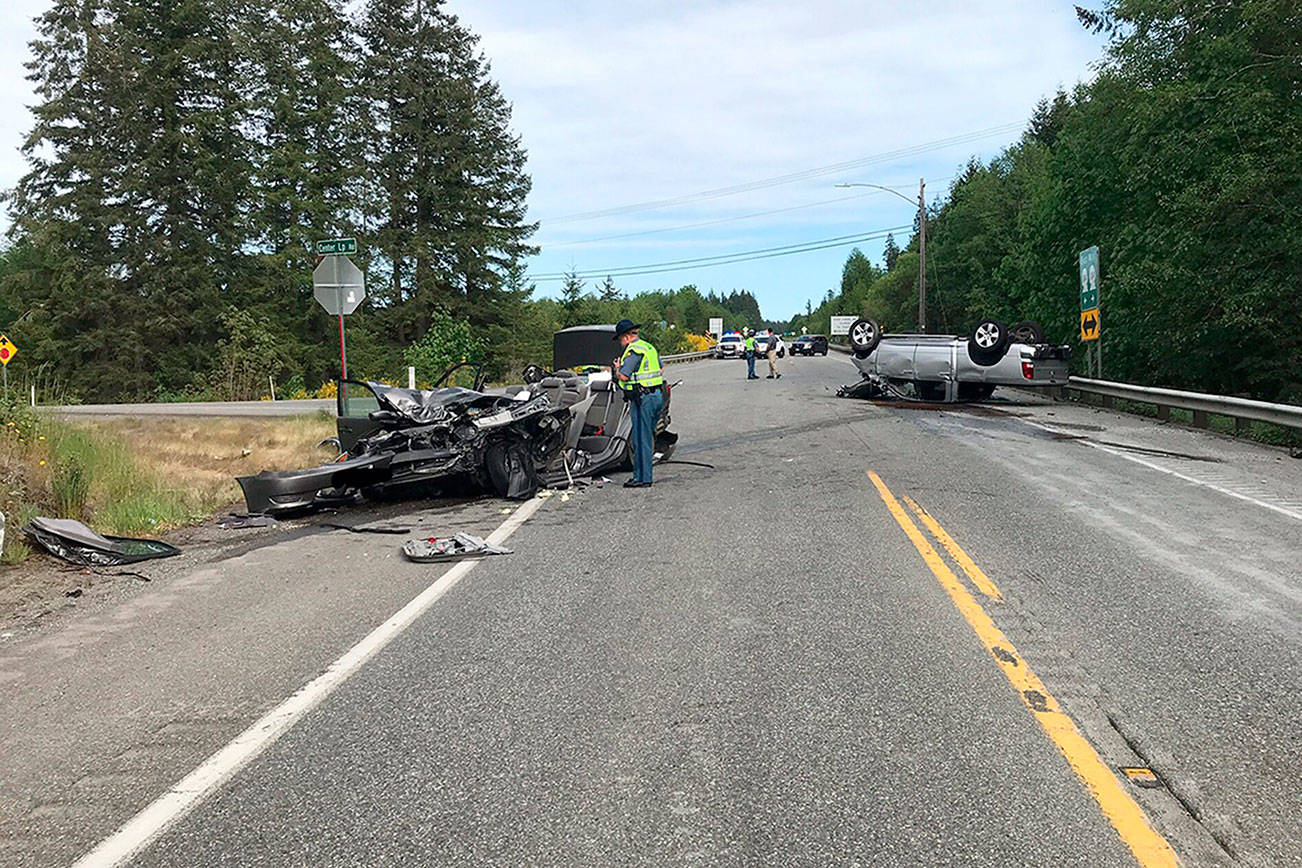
922 242
922 256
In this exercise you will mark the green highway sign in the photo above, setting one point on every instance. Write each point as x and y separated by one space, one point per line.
336 245
1089 279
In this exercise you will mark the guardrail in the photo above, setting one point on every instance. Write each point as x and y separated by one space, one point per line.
198 408
245 408
687 357
1200 404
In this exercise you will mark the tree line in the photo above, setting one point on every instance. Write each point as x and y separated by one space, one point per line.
1180 161
186 156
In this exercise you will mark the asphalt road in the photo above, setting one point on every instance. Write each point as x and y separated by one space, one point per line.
773 660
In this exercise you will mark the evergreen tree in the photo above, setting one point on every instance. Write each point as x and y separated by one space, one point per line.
447 174
308 166
572 298
892 252
608 291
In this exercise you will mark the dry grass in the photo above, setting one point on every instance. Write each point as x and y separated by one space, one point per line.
142 476
205 455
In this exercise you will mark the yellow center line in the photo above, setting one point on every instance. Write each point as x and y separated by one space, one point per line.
975 573
1122 811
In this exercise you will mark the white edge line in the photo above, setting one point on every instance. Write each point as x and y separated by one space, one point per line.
165 811
1177 474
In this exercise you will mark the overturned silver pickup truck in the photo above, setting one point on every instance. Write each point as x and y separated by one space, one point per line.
948 368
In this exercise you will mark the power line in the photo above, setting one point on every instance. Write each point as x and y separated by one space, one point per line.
597 272
778 180
707 222
722 259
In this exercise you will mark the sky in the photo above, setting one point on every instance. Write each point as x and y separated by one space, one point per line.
622 104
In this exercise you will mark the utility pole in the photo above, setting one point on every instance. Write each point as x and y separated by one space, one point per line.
922 256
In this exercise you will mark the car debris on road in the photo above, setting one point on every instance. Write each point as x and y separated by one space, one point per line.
438 550
74 542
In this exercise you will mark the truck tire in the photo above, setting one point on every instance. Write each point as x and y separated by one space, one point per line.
988 342
1027 332
865 335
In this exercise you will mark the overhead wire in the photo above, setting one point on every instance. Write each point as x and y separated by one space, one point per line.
686 226
778 180
721 259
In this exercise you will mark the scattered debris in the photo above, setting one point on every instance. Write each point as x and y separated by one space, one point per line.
241 520
75 592
462 545
75 543
352 529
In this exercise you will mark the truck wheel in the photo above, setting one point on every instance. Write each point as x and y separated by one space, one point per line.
1027 332
865 335
988 342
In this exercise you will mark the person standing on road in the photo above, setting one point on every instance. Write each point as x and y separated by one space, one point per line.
642 380
771 352
750 355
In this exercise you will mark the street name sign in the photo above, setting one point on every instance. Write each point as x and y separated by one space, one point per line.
841 324
1090 322
7 350
336 245
338 285
1089 279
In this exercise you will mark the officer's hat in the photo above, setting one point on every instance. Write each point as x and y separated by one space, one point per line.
625 326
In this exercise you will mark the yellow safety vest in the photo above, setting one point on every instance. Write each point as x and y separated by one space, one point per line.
750 344
649 374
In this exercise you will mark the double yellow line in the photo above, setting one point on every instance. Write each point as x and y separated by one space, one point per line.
1122 811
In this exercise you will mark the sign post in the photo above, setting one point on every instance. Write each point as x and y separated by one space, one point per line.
1091 320
7 353
338 286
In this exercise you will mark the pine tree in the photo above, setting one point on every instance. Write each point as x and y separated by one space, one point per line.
63 216
449 189
307 122
572 298
608 291
179 83
892 252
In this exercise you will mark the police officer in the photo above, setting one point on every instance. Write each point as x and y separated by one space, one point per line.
750 355
642 380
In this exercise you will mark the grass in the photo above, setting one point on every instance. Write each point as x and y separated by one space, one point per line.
143 476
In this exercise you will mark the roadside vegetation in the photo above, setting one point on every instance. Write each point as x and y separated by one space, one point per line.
137 476
1180 162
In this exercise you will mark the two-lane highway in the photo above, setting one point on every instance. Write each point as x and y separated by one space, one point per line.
868 634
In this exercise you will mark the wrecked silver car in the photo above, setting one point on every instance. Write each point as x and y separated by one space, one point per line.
948 368
555 427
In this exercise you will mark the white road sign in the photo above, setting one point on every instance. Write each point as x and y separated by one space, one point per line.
338 285
716 326
841 324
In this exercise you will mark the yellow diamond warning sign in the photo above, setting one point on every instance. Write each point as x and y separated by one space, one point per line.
7 350
1089 324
